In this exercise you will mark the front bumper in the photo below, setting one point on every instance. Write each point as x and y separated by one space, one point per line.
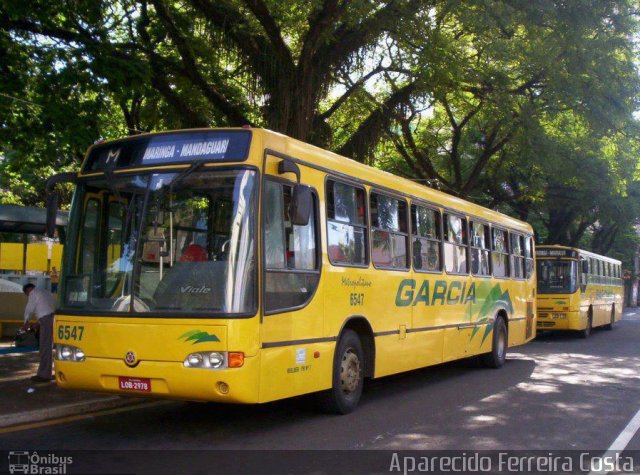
170 380
571 321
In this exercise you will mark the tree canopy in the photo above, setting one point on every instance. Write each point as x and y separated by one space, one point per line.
526 107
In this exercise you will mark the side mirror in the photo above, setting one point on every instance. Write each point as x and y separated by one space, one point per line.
585 267
52 213
301 205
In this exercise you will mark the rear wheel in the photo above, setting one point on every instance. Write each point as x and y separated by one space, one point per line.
609 326
498 354
587 331
348 376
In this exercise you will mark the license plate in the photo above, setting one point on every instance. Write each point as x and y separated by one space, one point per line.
134 384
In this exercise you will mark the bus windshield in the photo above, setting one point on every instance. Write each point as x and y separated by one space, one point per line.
181 242
556 276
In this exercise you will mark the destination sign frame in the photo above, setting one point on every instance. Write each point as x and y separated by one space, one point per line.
171 148
556 253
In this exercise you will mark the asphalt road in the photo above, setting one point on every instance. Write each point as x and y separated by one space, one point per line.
559 392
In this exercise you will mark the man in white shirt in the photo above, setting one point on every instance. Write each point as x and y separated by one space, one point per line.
41 304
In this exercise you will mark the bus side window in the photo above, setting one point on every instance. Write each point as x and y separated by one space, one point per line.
346 225
517 255
425 239
480 249
291 259
455 244
500 253
528 254
389 233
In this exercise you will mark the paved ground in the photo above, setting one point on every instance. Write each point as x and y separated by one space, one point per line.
559 392
22 401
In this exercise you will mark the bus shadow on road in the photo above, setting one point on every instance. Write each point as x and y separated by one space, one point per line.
445 387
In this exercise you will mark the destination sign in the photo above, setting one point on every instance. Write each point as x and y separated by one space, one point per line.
173 147
556 253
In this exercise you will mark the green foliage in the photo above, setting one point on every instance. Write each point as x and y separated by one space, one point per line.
526 107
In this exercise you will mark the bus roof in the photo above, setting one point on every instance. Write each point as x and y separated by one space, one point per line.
349 169
579 251
339 165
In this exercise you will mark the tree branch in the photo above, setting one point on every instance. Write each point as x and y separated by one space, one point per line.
158 77
262 14
215 97
353 88
365 138
421 158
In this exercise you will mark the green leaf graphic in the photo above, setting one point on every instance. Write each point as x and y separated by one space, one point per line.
188 334
198 336
495 299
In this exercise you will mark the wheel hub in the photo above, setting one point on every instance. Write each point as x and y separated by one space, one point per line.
349 372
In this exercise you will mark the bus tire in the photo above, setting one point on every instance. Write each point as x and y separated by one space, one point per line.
609 326
499 343
587 331
348 376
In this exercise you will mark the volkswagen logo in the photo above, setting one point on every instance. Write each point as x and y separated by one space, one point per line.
130 358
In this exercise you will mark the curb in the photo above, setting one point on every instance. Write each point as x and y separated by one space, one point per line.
85 407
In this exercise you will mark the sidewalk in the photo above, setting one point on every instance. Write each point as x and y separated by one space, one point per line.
22 401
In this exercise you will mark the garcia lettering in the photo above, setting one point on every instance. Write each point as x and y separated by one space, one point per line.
444 293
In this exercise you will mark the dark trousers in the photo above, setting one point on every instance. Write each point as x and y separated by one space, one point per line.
46 346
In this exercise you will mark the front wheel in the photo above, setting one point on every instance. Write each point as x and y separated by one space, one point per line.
498 354
587 331
348 376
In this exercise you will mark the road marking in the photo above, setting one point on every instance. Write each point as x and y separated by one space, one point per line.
64 420
623 440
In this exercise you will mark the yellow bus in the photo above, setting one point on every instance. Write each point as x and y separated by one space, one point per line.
243 266
577 290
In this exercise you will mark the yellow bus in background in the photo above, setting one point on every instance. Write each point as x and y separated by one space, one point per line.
243 266
577 290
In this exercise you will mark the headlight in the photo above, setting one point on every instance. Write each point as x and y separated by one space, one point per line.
216 360
69 353
78 355
207 360
194 360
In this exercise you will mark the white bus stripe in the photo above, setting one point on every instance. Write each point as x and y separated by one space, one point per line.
623 439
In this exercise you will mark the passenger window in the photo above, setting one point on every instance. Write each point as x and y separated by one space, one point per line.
480 249
517 256
528 254
346 225
500 253
583 275
389 233
455 244
291 258
425 239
